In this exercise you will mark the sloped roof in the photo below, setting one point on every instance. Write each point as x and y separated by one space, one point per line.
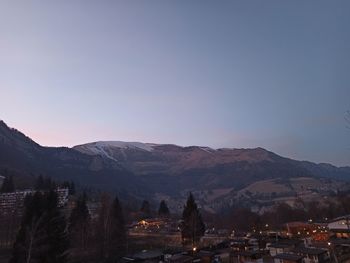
309 250
289 256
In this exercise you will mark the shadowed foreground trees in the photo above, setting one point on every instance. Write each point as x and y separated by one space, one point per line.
110 230
79 224
42 236
118 231
99 239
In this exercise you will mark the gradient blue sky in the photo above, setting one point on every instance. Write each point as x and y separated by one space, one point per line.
273 74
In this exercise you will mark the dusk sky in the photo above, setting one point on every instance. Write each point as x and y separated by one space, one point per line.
239 74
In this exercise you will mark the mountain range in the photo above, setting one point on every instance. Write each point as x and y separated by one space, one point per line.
145 169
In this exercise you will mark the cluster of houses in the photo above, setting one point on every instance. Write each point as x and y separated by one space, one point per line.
238 251
155 225
242 250
301 242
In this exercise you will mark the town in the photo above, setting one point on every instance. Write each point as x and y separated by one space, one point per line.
161 236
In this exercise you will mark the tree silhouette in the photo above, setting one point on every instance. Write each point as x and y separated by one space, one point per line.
7 185
118 231
163 210
79 223
103 227
193 227
57 234
145 208
44 183
42 236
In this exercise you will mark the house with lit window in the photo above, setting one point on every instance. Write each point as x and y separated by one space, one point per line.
340 226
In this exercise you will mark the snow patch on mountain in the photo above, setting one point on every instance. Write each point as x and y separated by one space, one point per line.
106 148
207 149
124 145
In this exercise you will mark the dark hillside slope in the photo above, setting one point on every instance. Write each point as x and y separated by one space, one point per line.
19 153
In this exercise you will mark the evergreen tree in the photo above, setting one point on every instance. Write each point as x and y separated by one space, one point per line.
72 188
193 227
44 184
79 223
57 235
39 184
163 209
102 227
117 231
7 185
145 208
42 236
49 184
28 244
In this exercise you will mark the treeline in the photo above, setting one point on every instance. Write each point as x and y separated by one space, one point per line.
146 211
10 216
41 231
101 238
47 183
42 183
90 228
43 235
49 233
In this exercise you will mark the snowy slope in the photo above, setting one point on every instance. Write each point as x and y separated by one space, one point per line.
107 148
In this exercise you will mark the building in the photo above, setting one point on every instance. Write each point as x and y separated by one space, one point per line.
205 256
288 258
14 202
312 255
303 229
180 258
246 256
283 246
340 226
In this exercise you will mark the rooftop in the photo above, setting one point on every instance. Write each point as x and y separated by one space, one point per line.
309 250
289 256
